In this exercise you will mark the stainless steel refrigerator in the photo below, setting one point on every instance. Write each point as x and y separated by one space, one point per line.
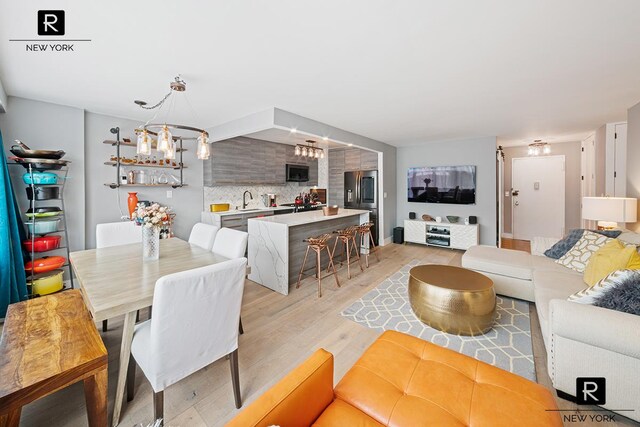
361 192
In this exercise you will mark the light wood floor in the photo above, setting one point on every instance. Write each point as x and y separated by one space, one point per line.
280 332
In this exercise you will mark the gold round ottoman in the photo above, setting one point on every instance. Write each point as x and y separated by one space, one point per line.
452 299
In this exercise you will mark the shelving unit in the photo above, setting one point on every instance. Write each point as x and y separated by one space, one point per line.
33 204
118 164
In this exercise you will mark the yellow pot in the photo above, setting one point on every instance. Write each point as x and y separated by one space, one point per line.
47 283
219 207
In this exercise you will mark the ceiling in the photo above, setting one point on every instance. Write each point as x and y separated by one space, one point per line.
403 72
284 136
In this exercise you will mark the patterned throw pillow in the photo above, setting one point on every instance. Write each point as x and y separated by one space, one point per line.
619 291
563 246
578 256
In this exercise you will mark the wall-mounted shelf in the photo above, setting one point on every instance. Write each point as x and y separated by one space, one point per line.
114 185
133 144
117 163
145 165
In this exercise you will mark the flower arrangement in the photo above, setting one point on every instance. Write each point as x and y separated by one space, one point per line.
153 215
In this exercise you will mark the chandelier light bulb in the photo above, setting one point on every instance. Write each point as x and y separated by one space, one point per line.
322 154
164 139
547 149
170 153
144 143
297 151
304 151
203 147
317 154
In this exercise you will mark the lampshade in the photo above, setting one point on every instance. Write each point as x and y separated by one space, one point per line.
613 209
164 139
203 152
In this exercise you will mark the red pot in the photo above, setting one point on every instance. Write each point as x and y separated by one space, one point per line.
42 244
44 264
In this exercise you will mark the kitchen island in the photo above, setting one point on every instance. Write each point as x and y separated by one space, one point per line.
277 247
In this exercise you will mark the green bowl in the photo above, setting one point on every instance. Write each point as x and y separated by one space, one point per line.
453 218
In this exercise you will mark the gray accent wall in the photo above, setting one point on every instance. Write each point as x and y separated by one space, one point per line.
572 155
633 157
88 201
106 205
480 152
45 126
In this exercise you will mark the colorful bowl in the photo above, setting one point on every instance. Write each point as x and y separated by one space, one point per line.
47 283
43 226
42 244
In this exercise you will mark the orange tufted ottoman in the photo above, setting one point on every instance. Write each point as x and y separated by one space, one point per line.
402 381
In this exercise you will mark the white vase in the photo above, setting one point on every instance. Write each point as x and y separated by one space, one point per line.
150 243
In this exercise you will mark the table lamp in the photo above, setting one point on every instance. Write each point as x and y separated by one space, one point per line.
609 211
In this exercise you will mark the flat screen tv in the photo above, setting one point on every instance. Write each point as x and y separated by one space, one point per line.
442 184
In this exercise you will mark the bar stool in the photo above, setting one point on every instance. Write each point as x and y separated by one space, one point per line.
365 235
347 237
318 244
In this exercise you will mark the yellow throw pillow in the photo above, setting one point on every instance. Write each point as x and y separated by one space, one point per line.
609 258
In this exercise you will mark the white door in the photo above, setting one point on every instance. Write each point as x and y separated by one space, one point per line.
538 197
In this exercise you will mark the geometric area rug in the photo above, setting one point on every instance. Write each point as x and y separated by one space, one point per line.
506 346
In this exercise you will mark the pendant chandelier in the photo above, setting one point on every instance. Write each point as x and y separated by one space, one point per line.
168 135
309 150
538 147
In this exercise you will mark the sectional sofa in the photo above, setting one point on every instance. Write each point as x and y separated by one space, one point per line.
581 340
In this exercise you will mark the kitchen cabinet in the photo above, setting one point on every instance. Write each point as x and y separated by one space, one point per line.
336 178
343 160
237 221
248 161
368 160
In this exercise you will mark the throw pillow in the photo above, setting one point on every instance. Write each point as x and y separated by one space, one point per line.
630 238
609 258
578 256
563 246
619 291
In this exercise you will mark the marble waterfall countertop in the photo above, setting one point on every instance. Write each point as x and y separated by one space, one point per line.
276 244
301 218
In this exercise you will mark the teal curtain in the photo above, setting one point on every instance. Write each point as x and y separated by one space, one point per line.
13 282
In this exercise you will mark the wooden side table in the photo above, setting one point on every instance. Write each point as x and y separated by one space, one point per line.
47 344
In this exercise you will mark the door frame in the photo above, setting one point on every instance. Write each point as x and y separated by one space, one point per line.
564 190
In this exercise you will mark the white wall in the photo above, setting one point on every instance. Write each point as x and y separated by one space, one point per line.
480 152
45 126
633 157
3 99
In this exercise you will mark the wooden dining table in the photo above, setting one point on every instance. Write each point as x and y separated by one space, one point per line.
115 281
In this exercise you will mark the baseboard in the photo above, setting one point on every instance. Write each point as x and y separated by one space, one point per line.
386 241
507 235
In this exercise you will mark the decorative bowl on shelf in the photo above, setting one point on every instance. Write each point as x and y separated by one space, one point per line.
453 218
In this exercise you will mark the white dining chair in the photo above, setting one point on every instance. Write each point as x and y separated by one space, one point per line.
203 235
230 243
195 323
115 234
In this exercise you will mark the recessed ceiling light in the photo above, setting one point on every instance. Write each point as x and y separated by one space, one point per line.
325 138
350 145
293 130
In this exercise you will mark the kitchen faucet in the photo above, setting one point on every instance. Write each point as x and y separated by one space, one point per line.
244 200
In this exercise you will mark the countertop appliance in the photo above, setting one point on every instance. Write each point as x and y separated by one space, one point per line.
269 200
361 192
297 173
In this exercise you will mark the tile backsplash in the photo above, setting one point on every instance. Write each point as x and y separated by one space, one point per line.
233 194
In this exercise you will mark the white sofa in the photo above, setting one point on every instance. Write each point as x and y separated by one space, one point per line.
581 340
